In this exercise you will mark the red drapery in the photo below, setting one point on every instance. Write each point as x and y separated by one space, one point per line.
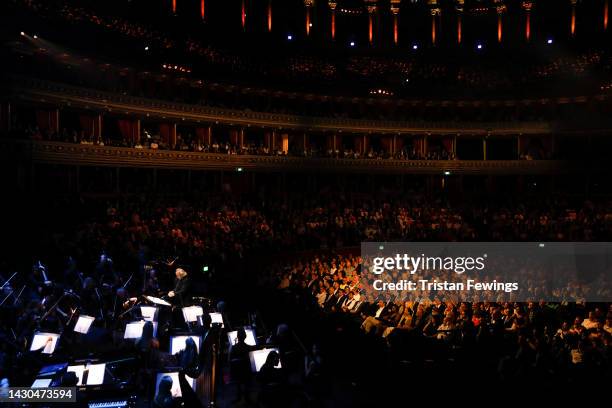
447 143
128 130
87 125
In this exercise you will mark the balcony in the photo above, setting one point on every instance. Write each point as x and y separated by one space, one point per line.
95 155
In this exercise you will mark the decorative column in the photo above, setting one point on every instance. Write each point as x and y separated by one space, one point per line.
527 6
435 13
573 19
269 16
500 8
459 8
484 146
97 128
243 14
371 5
395 9
308 5
332 9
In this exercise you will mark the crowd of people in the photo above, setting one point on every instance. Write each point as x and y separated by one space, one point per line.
541 340
93 261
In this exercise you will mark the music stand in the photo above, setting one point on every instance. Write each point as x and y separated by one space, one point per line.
178 343
251 340
191 313
157 301
133 330
41 383
258 358
216 317
83 324
93 372
149 313
176 387
53 369
39 341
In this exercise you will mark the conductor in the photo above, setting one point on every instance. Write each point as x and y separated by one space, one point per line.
181 287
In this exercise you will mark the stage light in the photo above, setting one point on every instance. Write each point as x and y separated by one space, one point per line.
352 43
549 41
35 36
239 169
205 268
289 37
310 25
447 173
479 46
146 48
415 47
22 33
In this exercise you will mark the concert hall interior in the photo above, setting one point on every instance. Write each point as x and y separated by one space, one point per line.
188 186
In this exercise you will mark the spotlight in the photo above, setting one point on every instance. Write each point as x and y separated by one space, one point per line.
205 268
352 43
447 173
22 33
146 48
479 46
549 41
239 169
415 47
289 37
310 25
35 36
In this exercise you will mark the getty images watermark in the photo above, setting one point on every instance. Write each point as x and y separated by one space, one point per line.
487 271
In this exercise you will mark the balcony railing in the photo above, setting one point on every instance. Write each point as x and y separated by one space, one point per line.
96 155
37 91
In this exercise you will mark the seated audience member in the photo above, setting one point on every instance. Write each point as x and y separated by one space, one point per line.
591 322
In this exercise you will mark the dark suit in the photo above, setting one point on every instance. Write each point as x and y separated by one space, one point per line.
181 290
330 301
